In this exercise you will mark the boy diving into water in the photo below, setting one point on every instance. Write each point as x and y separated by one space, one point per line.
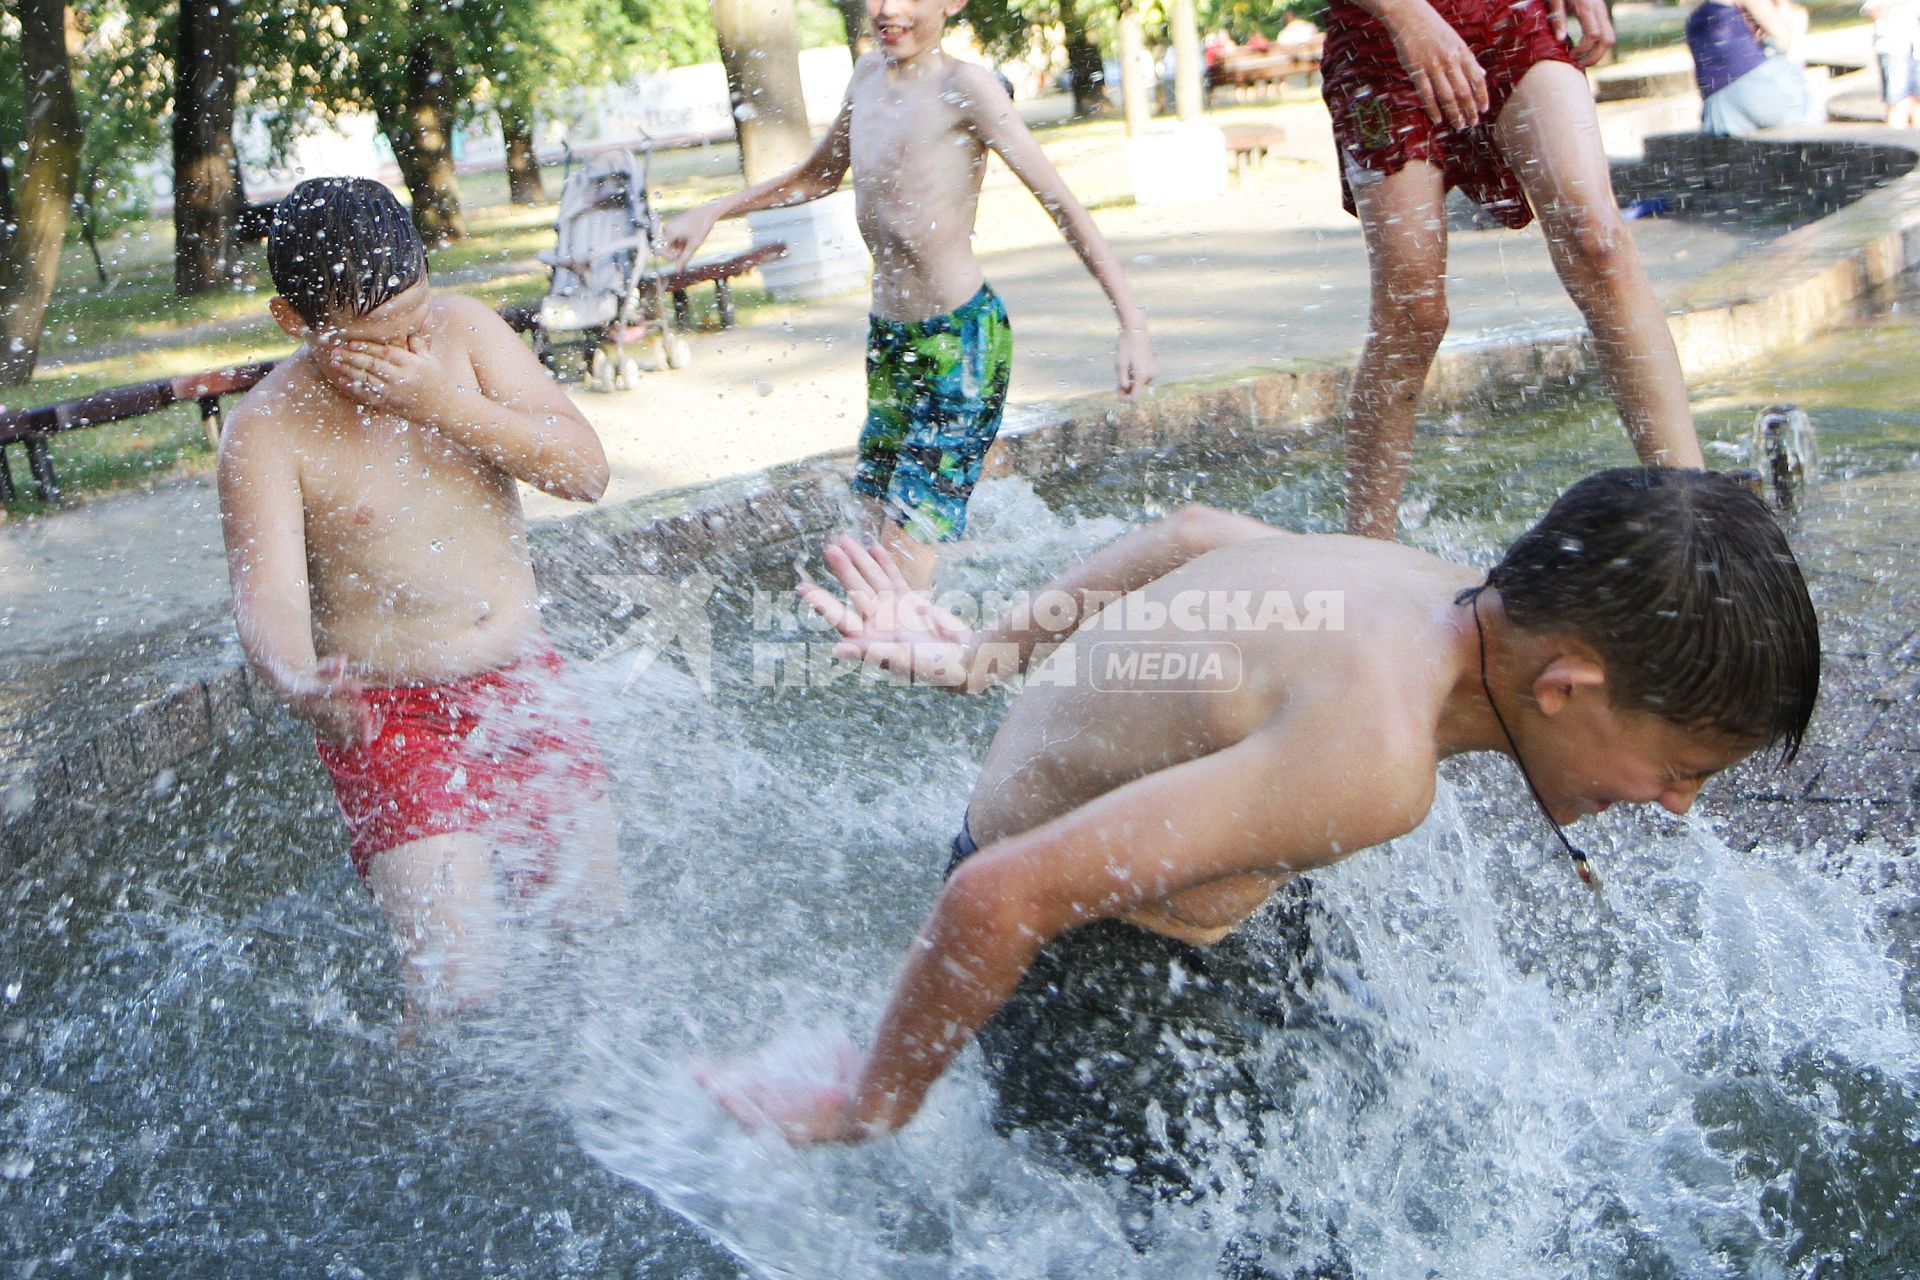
916 127
1652 630
381 585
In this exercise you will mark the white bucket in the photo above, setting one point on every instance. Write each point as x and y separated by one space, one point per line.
1179 165
825 255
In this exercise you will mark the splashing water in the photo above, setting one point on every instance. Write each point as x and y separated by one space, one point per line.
1506 1081
1713 1073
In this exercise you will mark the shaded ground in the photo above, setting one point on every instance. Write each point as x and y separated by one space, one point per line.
1859 773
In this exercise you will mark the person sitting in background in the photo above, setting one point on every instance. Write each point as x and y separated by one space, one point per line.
1896 42
1218 45
1741 61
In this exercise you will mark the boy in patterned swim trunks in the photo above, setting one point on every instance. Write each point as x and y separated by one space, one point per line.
916 127
1488 96
378 556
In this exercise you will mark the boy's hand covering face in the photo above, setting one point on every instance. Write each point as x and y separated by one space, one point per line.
400 378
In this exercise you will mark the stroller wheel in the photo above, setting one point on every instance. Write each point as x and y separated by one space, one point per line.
602 371
679 352
629 375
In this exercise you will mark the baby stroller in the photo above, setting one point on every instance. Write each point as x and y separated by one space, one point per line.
601 294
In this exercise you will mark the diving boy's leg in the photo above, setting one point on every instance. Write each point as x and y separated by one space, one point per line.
438 896
1551 137
1403 217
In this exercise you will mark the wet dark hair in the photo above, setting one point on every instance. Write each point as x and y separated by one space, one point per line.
339 247
1684 584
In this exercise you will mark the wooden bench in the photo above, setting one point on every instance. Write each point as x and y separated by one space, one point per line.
1249 143
720 270
1246 68
33 428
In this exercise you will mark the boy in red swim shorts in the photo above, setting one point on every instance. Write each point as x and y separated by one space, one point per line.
1488 96
378 557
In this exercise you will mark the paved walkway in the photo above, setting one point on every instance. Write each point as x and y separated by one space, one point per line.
124 595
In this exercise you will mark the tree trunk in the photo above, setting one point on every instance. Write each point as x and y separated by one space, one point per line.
1135 67
206 196
1189 70
760 48
859 34
420 130
40 190
524 185
1083 63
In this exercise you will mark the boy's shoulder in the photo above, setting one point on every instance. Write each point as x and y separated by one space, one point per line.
271 402
957 82
465 312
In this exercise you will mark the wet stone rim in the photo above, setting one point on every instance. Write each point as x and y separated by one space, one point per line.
1775 298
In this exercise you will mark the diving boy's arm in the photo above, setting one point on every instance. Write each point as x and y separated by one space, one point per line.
818 175
516 416
991 115
262 522
887 623
1218 816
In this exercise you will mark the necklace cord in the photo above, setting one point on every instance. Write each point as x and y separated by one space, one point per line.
1581 863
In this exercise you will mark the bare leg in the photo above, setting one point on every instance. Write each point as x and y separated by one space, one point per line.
917 559
439 898
1403 218
584 890
1551 137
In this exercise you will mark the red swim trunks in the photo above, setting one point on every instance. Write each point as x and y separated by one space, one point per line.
508 751
1378 123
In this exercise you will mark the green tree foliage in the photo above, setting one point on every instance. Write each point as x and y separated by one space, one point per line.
121 91
1242 18
1008 30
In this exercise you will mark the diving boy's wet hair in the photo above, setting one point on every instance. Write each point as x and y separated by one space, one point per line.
339 247
1684 584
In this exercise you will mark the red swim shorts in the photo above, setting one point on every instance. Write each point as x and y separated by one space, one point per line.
509 752
1378 123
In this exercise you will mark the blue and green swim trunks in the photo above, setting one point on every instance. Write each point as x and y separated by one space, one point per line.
935 392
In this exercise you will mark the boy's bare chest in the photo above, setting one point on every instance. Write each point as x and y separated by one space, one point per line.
386 484
916 142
